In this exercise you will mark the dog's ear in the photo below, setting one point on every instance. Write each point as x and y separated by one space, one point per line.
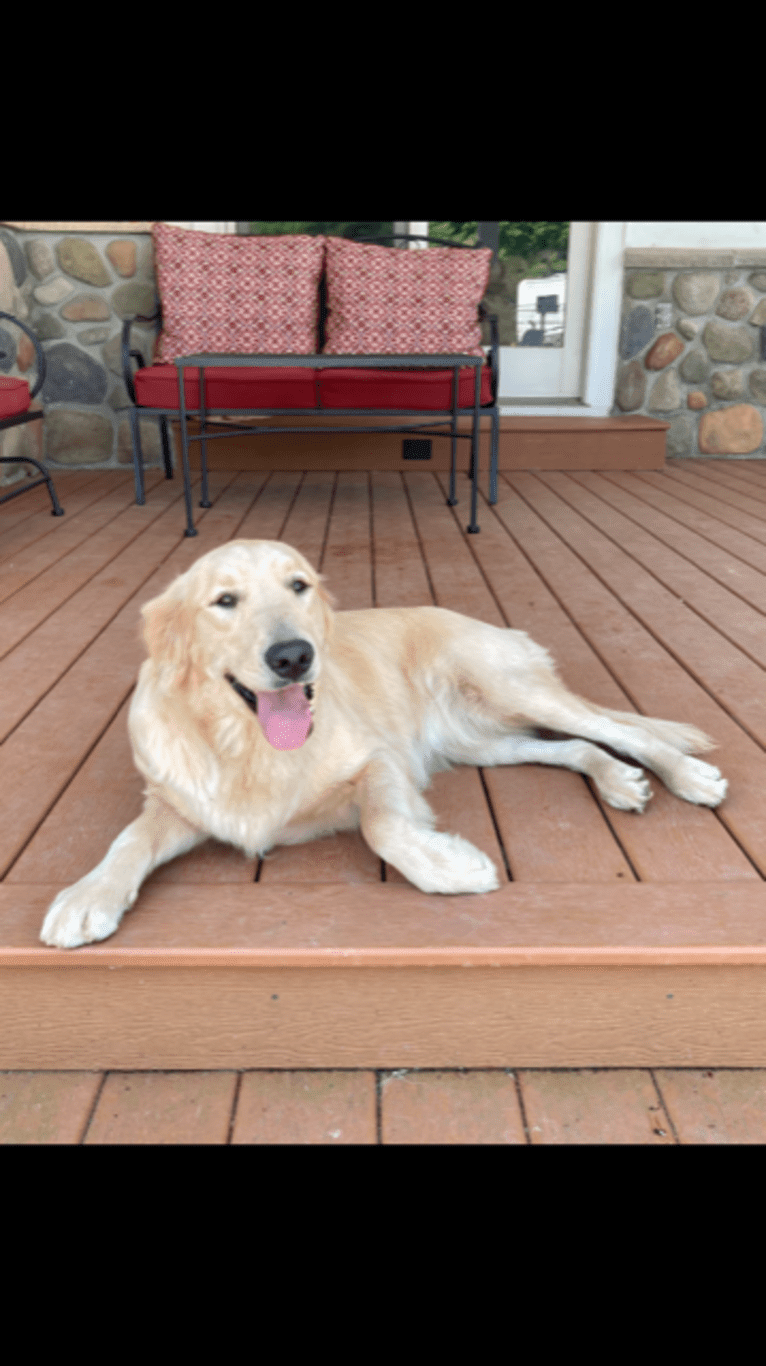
169 632
328 603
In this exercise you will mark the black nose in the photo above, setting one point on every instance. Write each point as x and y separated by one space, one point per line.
290 658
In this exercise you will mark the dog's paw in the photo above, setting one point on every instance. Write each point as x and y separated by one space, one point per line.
79 915
451 865
624 787
698 782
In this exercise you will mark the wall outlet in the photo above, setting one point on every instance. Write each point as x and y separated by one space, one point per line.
416 450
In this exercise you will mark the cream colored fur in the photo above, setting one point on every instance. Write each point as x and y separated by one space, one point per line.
399 693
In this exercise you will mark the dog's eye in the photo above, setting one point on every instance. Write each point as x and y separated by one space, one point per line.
226 600
299 586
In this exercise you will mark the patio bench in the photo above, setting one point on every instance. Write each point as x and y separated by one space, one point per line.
15 398
298 325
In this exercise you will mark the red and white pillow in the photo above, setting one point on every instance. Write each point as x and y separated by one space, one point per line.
386 301
222 293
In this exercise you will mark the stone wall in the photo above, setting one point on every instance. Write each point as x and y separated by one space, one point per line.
691 350
73 289
690 346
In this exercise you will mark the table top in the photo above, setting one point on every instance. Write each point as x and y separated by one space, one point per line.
326 362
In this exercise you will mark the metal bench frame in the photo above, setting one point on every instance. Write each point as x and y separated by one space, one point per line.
203 360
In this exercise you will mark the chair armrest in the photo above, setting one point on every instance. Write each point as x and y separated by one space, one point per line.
38 352
127 372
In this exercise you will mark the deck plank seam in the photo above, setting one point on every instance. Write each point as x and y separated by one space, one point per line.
651 507
710 621
725 479
549 587
650 630
712 489
732 521
60 793
421 547
80 587
493 818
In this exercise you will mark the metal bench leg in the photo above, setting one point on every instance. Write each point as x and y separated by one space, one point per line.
473 525
138 460
452 500
167 458
493 456
204 501
191 530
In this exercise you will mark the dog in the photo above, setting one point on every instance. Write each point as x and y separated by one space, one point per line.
262 716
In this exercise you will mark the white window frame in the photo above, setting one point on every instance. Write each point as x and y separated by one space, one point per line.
417 229
577 379
206 227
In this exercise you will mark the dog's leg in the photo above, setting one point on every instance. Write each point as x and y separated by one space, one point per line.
658 744
93 907
397 823
619 784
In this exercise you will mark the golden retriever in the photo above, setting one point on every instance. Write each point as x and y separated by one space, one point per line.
263 717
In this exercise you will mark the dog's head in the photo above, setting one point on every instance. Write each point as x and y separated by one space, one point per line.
255 616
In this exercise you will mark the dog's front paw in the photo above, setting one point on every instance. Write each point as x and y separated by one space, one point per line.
624 787
79 915
698 782
452 865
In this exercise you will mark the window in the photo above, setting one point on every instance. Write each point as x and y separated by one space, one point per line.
545 278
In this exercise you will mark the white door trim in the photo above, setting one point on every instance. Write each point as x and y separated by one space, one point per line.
595 304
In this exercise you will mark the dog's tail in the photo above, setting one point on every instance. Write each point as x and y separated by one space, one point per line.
686 739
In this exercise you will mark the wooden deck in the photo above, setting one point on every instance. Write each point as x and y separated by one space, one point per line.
613 990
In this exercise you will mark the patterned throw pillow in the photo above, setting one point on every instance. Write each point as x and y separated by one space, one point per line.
388 301
222 293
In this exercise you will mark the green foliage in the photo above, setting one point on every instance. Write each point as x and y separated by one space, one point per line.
322 229
536 249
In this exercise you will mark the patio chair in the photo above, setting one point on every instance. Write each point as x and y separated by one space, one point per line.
15 398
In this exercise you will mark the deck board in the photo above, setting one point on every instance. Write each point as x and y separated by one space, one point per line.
649 588
730 501
539 565
83 519
723 474
31 517
672 840
85 598
739 551
681 562
489 1106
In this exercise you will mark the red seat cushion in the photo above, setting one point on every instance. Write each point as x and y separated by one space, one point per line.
228 386
424 390
294 387
14 396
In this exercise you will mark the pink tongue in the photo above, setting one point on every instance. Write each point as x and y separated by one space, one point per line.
285 717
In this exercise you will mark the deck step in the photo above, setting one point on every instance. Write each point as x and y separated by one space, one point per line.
630 442
381 976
